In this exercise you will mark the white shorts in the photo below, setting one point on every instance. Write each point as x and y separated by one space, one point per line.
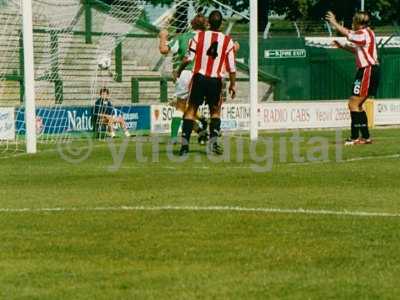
182 86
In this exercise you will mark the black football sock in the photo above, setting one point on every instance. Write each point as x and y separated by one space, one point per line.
204 123
364 125
215 128
355 125
187 131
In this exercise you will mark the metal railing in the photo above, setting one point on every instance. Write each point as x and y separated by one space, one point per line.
56 78
135 86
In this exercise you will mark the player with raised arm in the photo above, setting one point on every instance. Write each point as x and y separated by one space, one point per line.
179 47
363 45
212 53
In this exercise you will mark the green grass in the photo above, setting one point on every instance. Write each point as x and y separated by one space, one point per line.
81 253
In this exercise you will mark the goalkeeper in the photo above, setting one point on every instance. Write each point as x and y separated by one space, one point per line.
179 48
104 114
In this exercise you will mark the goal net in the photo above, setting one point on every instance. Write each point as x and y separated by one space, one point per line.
81 47
68 70
177 20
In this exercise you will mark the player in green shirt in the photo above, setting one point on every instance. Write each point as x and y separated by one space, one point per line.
179 48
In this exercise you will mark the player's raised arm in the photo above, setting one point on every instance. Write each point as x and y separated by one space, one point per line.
345 47
163 46
331 18
357 37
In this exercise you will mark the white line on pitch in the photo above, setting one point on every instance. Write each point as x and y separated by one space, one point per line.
372 157
355 159
248 165
389 156
205 208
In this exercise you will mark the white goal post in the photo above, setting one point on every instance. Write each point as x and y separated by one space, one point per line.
29 77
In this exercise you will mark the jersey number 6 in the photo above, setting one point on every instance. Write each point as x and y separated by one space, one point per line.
357 88
213 50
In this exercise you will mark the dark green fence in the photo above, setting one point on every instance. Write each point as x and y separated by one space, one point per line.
312 73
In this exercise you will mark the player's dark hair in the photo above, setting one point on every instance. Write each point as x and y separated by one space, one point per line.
199 22
104 90
215 20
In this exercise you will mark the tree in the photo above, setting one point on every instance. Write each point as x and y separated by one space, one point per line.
262 15
385 11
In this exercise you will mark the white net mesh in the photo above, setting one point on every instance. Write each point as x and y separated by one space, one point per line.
71 66
177 20
68 71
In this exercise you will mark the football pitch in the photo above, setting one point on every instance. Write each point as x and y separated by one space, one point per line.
272 221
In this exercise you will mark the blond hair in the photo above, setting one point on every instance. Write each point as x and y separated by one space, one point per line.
361 18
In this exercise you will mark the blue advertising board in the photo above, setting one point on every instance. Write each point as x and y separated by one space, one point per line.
59 119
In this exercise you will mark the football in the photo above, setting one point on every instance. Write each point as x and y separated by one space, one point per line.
104 62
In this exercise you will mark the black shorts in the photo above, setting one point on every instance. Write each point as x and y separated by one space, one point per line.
366 82
205 89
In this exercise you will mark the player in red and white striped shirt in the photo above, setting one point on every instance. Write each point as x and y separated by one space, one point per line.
211 51
213 54
363 45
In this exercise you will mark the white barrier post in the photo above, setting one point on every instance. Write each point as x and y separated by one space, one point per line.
253 66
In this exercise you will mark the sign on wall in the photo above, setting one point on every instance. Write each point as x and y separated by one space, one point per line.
285 53
7 123
303 115
387 112
233 117
58 120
